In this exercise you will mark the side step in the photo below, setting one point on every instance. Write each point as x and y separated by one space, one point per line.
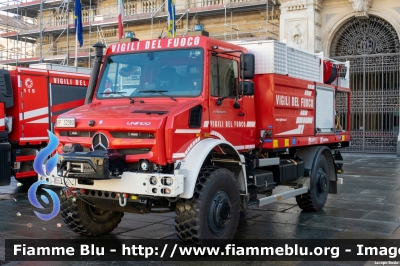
282 196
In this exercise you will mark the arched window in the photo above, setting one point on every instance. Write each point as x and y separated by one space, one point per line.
365 37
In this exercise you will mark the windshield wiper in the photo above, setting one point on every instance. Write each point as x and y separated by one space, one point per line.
160 92
120 93
114 92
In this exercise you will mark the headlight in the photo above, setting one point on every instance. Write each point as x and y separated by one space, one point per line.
166 191
168 181
65 122
153 180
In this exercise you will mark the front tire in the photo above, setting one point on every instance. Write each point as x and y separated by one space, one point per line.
315 198
213 211
84 219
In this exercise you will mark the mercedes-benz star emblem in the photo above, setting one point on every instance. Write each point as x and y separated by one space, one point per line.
99 142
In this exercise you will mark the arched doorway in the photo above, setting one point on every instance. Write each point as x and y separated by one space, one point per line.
373 49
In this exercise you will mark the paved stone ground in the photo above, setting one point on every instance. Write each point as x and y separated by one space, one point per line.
367 206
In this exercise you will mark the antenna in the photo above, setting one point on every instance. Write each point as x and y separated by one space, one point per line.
160 36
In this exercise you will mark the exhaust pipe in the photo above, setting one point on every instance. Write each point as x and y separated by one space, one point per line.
98 58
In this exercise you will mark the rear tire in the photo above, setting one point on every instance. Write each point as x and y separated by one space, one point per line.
315 198
85 219
213 211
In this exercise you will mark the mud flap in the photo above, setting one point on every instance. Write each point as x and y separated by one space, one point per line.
310 155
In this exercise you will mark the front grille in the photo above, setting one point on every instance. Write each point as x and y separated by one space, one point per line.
101 142
5 164
122 135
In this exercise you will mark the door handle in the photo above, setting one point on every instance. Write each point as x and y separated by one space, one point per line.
240 114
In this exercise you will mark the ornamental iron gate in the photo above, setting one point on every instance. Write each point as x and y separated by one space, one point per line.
373 49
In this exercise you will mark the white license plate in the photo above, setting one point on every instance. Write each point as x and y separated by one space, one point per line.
65 122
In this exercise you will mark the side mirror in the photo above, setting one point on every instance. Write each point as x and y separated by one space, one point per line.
6 92
246 87
247 65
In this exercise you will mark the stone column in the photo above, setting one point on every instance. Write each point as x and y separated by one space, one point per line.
300 24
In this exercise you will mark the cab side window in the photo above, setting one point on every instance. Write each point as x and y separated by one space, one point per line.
223 77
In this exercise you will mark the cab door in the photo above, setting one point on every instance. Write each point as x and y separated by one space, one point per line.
232 116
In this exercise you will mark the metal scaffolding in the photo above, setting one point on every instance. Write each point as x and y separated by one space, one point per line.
47 25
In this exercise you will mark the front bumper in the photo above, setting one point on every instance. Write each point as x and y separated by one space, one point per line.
129 182
103 171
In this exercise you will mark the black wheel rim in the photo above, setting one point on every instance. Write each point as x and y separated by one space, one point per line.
322 182
219 213
100 214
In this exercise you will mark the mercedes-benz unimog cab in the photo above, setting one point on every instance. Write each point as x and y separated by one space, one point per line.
201 127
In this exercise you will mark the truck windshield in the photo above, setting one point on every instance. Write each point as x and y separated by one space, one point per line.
152 74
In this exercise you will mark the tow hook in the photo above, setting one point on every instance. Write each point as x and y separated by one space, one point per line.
122 203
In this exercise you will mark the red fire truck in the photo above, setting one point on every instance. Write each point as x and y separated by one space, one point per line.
201 127
30 101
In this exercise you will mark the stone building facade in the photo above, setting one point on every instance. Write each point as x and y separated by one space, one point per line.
53 25
366 33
